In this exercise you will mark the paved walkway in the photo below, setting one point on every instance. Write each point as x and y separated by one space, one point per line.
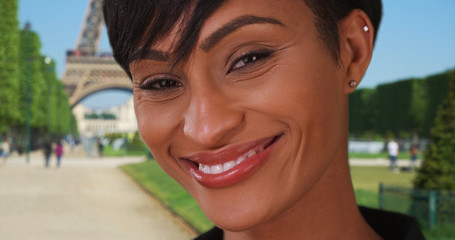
87 198
379 162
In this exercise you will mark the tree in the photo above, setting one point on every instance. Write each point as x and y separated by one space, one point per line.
50 112
362 112
438 169
50 77
26 74
9 85
401 108
436 88
30 70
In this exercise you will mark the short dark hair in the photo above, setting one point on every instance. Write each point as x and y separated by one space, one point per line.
134 26
328 12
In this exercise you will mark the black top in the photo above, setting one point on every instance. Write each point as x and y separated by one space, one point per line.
389 225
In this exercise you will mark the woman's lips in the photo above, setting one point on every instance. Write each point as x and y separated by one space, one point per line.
229 165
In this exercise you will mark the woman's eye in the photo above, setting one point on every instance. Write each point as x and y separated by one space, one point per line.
248 59
160 85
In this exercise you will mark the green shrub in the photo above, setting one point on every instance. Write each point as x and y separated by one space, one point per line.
136 143
438 169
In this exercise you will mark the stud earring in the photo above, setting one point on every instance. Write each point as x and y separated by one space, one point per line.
352 83
366 28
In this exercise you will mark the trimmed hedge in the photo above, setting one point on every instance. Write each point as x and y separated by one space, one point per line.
401 108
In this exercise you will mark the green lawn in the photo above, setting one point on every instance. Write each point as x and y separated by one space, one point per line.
110 152
367 198
366 182
150 176
368 178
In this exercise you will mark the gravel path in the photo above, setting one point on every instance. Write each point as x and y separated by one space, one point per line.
380 162
87 198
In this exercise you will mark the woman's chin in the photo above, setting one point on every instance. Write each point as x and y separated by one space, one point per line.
237 219
238 223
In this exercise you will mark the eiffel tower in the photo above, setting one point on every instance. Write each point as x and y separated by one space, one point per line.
88 71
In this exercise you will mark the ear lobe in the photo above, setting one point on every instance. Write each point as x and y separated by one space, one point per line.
356 46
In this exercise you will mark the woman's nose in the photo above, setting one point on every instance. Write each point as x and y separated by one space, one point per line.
210 118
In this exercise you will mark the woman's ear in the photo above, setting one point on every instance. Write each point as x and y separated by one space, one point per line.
356 47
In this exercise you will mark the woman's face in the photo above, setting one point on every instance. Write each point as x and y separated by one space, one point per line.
250 122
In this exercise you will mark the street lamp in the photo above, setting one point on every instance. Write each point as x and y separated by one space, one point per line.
47 60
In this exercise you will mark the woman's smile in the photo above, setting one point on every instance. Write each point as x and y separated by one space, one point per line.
231 164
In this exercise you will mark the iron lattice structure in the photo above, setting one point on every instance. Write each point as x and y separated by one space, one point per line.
91 28
88 71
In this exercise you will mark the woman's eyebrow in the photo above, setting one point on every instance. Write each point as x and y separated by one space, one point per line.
232 26
150 54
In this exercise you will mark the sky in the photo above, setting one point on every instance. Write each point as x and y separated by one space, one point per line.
416 39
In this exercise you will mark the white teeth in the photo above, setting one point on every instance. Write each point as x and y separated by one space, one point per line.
250 153
215 169
228 165
206 168
219 168
240 159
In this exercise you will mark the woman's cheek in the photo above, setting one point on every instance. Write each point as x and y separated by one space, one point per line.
150 124
159 127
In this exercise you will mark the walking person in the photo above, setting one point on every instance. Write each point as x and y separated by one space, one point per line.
414 150
47 151
100 147
5 150
59 152
1 149
393 150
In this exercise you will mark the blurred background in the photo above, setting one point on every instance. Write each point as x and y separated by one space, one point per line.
59 83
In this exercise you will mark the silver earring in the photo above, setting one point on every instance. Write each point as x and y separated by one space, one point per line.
352 83
366 28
